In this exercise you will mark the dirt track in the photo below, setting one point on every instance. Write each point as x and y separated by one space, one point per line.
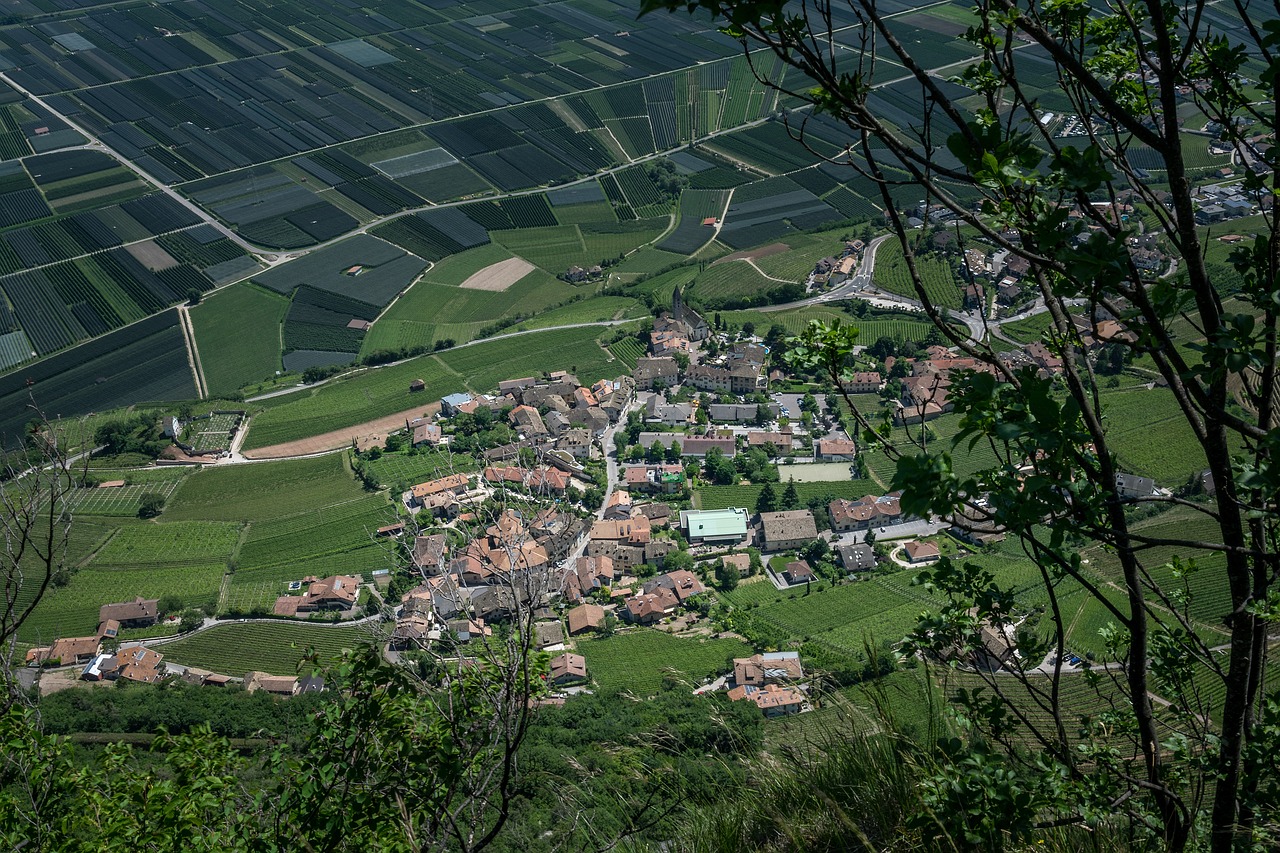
340 438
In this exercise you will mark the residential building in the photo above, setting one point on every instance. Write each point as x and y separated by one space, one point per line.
138 613
798 571
140 664
648 608
656 410
741 562
451 405
772 699
862 382
921 552
857 558
653 479
835 450
683 583
337 592
716 527
788 529
586 575
568 668
768 668
739 413
865 512
427 556
276 685
737 378
1133 486
454 483
656 372
585 617
575 442
65 652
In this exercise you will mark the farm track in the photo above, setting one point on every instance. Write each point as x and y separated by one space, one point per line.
338 439
193 352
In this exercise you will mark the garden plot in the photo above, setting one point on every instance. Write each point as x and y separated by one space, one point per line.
498 277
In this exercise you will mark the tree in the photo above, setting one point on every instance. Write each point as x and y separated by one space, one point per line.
790 497
719 469
1068 210
194 295
150 505
726 577
674 452
767 500
763 414
169 604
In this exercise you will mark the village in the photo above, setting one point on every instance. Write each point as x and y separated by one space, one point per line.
583 525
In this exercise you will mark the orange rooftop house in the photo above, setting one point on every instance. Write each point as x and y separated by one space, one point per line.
338 592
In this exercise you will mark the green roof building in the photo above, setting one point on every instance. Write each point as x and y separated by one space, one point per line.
715 526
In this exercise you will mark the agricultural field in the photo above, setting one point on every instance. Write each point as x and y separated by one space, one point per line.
72 610
371 394
870 329
254 492
122 501
277 648
696 207
144 362
238 336
940 281
76 255
722 497
593 310
734 283
637 659
1133 417
168 543
1028 329
400 470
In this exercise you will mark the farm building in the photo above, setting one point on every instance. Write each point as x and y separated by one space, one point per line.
716 526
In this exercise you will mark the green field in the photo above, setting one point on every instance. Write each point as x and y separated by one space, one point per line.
238 336
731 281
277 648
377 393
1132 419
637 659
72 610
168 543
722 497
402 469
940 282
264 490
797 319
121 501
556 248
1028 329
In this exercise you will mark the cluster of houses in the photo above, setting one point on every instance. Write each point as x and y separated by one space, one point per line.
134 664
1220 202
835 270
567 405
